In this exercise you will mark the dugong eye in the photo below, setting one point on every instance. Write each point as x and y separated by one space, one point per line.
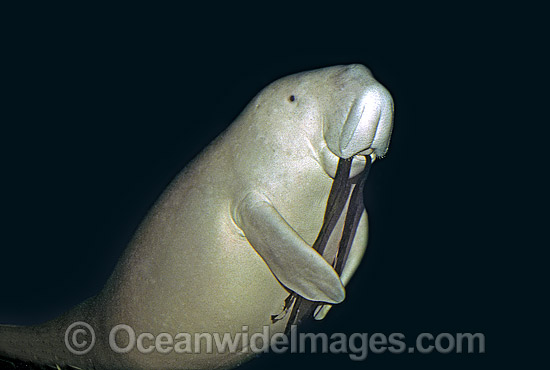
291 98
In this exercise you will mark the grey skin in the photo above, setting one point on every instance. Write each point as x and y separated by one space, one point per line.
231 236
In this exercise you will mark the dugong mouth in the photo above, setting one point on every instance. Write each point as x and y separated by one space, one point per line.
365 131
329 161
368 125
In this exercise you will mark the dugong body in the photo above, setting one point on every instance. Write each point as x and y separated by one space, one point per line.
231 236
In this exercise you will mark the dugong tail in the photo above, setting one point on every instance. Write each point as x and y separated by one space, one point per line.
39 347
26 345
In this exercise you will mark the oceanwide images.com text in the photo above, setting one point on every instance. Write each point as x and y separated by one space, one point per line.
80 339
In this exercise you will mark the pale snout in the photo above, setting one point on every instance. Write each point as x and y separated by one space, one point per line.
369 124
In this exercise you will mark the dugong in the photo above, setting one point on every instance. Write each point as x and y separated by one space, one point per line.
231 237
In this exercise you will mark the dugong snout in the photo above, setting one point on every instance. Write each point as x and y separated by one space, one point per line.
369 124
362 117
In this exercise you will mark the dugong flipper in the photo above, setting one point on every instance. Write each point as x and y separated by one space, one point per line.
293 262
231 237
